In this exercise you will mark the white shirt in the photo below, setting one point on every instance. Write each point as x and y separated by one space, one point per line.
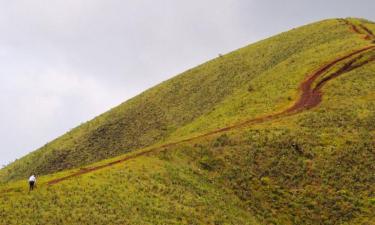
32 178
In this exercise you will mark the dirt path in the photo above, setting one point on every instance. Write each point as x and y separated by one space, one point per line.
370 34
367 34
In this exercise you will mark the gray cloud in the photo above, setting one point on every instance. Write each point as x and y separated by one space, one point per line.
64 62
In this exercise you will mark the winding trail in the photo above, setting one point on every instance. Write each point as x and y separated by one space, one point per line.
310 97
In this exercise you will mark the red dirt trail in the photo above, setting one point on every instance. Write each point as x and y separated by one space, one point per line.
309 98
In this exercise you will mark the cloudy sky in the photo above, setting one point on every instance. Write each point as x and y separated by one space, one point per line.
62 62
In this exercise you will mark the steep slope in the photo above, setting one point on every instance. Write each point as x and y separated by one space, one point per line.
304 155
254 80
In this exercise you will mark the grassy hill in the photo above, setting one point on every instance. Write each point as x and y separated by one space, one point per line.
254 80
311 167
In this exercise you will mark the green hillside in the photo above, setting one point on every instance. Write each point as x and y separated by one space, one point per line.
312 165
240 85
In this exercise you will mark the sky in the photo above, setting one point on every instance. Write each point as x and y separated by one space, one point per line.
63 62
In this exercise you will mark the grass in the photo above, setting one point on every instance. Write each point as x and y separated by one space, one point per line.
143 191
316 167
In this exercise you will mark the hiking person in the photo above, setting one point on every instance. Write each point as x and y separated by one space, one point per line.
32 182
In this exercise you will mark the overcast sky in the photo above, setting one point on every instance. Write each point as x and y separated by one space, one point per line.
64 62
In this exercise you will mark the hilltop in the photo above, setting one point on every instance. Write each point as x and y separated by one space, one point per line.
278 132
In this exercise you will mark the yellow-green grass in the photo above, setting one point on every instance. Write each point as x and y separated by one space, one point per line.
146 190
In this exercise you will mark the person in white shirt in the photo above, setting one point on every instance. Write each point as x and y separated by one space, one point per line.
32 182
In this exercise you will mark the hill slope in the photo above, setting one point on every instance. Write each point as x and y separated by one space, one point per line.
302 162
254 80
